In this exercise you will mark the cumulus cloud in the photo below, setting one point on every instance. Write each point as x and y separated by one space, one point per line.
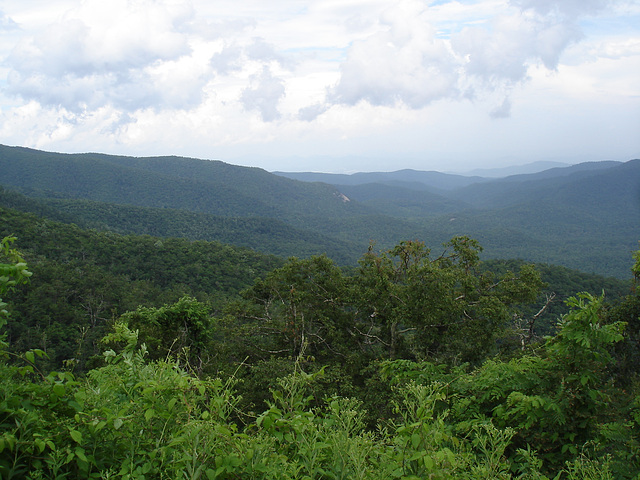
234 56
312 112
140 71
264 94
7 23
262 51
503 51
102 53
404 62
407 62
228 60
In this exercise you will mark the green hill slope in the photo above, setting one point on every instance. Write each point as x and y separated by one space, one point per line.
414 179
402 202
169 182
586 216
83 280
265 235
526 188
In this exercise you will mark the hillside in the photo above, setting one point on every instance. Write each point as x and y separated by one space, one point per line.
201 186
168 182
585 216
262 234
140 352
553 184
402 201
83 279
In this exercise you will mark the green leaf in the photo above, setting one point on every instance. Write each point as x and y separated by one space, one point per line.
417 455
40 444
117 423
415 440
149 414
80 454
76 435
428 463
59 390
211 475
30 356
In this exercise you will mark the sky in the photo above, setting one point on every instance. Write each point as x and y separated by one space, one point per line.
328 85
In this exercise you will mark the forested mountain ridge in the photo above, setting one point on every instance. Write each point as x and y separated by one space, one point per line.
586 216
592 208
582 181
500 172
84 279
89 276
438 181
416 363
174 182
262 234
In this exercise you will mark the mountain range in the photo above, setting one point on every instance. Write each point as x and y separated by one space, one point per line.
585 216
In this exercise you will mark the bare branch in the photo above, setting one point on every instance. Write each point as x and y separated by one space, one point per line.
368 335
409 329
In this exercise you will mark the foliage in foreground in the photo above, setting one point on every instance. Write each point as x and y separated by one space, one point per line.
139 419
556 412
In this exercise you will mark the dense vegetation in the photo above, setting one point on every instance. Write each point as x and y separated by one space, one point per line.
270 236
416 364
585 217
85 279
171 356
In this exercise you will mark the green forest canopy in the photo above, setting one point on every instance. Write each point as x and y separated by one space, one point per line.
317 373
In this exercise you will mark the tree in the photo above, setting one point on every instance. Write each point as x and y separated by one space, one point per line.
398 304
301 309
636 266
182 328
12 274
442 308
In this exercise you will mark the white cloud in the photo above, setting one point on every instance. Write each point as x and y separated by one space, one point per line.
504 51
263 95
405 63
618 49
195 77
100 53
7 23
571 9
503 110
408 61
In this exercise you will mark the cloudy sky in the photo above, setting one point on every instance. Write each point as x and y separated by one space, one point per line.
326 85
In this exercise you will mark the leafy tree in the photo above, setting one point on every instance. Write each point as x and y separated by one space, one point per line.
559 400
181 329
12 273
544 413
301 309
443 308
627 352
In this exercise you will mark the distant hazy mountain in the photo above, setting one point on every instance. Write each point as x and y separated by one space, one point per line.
412 179
584 216
522 188
533 167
